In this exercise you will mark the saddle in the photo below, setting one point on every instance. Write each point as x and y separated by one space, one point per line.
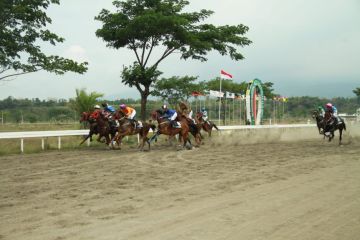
175 124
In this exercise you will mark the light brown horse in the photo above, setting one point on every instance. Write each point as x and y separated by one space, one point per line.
164 127
127 128
207 126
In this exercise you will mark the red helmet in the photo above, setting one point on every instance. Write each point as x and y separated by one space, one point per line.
122 106
329 105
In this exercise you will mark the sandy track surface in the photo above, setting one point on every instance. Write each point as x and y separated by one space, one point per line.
273 185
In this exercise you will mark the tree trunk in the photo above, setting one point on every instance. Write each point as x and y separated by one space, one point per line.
144 96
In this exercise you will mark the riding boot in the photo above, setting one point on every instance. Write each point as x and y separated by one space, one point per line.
173 123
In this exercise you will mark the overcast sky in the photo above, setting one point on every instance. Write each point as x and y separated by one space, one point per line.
306 48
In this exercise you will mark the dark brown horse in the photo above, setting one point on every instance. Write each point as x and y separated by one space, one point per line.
332 124
207 126
164 127
127 128
98 125
319 121
85 118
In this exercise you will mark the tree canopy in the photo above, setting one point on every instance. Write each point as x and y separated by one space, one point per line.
175 89
84 102
143 25
22 28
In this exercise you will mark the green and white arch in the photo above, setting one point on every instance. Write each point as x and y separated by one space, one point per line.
254 102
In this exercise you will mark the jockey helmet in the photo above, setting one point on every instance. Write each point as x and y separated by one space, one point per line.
329 105
164 106
122 106
97 106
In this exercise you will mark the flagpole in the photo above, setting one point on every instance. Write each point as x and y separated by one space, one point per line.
220 102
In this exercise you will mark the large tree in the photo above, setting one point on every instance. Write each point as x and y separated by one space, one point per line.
175 89
22 29
143 25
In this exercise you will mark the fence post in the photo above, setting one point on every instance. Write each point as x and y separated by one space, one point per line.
42 144
59 142
22 145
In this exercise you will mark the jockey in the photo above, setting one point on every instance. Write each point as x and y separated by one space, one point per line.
171 115
130 114
333 111
204 114
110 110
321 111
96 112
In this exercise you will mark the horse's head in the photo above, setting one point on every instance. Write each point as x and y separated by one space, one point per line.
118 115
156 114
315 114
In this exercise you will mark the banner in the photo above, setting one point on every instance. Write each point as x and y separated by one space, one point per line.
230 95
216 94
196 94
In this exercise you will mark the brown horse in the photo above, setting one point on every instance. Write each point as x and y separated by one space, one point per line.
332 124
85 118
164 127
127 128
99 125
207 126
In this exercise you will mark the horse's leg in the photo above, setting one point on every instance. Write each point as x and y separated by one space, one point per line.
340 137
86 138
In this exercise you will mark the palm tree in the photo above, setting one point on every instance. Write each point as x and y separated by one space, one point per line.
357 93
84 102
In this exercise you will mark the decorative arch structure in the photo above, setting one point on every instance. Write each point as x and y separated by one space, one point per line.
254 102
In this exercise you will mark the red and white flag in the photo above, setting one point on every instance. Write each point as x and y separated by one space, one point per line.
225 75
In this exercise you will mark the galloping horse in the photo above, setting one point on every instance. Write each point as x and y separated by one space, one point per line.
331 126
164 127
100 126
85 117
207 126
319 121
127 128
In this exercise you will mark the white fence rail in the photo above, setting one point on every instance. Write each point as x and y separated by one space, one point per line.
59 134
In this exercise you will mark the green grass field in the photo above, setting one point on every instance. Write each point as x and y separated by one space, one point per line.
34 145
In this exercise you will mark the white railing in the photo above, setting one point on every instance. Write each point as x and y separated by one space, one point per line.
59 134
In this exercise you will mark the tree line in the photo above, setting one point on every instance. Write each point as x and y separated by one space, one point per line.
62 110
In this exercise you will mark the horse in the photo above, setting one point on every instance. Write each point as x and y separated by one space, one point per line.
127 128
207 126
331 125
164 127
99 125
194 127
319 121
85 118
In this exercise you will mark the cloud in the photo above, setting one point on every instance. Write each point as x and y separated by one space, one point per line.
76 53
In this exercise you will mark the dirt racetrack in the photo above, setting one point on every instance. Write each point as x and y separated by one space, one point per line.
251 185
